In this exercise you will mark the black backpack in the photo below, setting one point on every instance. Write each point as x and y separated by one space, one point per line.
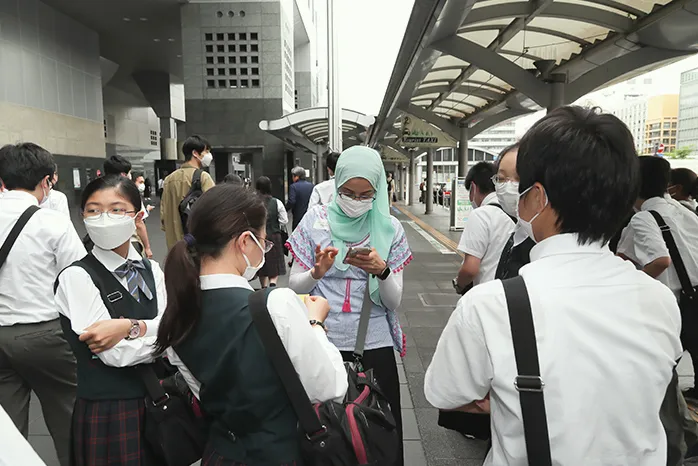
192 196
360 430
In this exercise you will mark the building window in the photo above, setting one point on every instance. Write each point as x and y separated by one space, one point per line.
153 138
231 48
105 129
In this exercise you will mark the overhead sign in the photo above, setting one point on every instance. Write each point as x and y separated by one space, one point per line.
418 133
388 154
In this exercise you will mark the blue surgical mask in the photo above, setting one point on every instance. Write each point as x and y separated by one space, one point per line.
527 226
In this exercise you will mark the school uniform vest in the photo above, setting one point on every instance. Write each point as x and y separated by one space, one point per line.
252 418
96 380
273 225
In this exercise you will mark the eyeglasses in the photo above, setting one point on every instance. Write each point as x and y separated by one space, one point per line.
496 179
360 198
116 214
267 245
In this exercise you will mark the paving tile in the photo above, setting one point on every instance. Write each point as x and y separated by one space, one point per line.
405 397
414 453
429 318
446 444
410 430
43 445
401 374
425 337
412 362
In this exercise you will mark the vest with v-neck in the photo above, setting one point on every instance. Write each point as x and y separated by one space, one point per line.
96 380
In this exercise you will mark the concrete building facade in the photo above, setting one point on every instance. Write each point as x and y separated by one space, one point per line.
662 123
633 113
496 138
688 112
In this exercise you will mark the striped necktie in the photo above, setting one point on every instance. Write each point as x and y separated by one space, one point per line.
134 279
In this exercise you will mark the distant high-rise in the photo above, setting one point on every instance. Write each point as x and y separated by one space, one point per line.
662 123
688 112
633 113
496 138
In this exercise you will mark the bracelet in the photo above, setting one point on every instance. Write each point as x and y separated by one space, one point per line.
319 324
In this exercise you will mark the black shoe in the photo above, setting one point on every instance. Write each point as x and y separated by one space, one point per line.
272 285
691 393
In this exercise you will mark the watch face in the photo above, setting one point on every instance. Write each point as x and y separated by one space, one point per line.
135 331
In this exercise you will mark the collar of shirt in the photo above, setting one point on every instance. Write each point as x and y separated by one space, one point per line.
565 243
112 260
653 203
491 198
24 196
224 280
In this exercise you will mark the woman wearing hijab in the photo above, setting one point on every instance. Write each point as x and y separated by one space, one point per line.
358 217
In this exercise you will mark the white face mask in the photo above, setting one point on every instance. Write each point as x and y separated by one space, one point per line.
141 188
508 197
352 207
206 159
109 233
46 194
251 271
527 226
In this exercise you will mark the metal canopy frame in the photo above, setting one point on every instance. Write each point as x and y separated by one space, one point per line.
476 63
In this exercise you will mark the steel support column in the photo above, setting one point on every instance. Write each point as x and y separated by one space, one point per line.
168 139
335 107
430 181
412 176
320 175
557 84
463 151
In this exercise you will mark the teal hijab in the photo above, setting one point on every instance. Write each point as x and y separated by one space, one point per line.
362 162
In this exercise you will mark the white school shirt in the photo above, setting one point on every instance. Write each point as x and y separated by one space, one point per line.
79 300
642 241
48 243
14 448
484 236
323 193
607 337
317 361
283 215
57 201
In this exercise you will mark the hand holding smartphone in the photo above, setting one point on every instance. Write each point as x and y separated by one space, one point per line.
353 252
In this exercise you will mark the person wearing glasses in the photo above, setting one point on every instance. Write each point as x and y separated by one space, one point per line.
108 420
208 333
487 230
358 218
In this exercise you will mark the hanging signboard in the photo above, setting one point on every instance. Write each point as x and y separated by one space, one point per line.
460 204
76 178
418 133
388 154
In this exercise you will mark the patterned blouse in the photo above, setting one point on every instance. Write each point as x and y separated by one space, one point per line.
345 289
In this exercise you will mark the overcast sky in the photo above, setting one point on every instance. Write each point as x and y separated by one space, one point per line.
370 35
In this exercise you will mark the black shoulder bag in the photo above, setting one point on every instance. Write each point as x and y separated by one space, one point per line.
14 233
359 431
688 300
195 192
172 429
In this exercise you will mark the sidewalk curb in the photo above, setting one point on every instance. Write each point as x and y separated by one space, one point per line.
440 237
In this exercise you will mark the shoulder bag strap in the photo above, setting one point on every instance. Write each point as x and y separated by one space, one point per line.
528 381
14 233
366 307
276 352
494 204
674 253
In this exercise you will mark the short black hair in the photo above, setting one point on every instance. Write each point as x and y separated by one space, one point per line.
481 174
232 178
687 179
123 185
263 185
116 165
655 175
332 158
587 163
135 175
24 165
194 144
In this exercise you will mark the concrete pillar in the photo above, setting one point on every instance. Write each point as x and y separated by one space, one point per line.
463 151
168 139
556 82
412 176
320 176
430 181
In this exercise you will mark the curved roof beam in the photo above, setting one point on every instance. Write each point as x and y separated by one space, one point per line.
490 61
459 102
586 14
462 89
442 123
550 32
469 82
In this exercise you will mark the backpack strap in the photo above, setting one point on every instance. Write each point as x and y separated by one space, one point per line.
196 181
528 382
366 307
502 209
674 253
276 352
14 233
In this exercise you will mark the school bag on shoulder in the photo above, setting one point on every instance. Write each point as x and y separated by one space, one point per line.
14 233
190 199
358 431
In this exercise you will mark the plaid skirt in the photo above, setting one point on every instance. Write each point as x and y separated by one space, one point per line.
213 458
111 433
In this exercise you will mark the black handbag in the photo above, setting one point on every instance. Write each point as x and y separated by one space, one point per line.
359 431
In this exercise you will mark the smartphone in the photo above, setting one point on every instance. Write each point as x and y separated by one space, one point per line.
353 252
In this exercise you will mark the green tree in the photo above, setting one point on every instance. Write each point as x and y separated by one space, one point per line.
680 153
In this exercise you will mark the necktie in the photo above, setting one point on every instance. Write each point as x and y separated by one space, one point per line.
134 279
504 260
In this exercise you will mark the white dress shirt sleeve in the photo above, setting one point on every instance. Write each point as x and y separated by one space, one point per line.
153 325
68 247
79 300
14 448
476 236
59 202
314 198
317 361
648 241
300 280
391 290
192 382
283 215
461 369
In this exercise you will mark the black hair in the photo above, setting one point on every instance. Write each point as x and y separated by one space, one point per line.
687 180
504 152
232 178
331 161
220 215
24 165
655 174
587 163
116 165
194 144
123 185
263 185
135 175
481 174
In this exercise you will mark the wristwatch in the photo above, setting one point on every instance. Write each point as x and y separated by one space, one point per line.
319 324
459 290
135 330
384 274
